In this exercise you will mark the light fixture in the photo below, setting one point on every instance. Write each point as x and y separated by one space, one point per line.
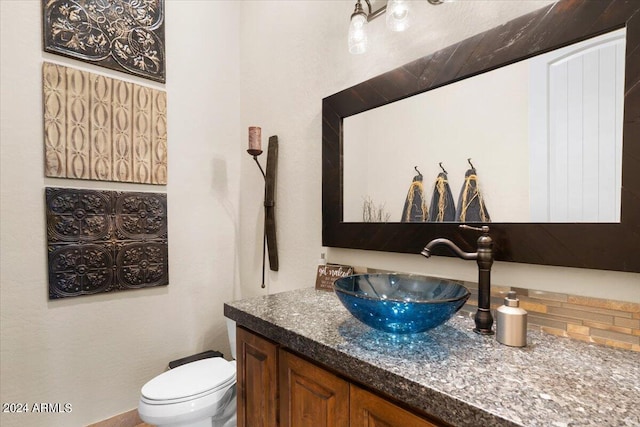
398 15
358 30
398 19
269 244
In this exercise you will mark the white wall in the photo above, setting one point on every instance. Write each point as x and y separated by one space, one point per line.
293 55
95 352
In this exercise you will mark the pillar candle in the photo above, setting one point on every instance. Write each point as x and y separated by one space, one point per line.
255 138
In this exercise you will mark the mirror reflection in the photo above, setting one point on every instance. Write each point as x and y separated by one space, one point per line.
536 141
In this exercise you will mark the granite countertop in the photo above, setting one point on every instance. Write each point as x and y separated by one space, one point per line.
461 377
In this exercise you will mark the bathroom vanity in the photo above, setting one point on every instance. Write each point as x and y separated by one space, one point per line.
269 373
304 360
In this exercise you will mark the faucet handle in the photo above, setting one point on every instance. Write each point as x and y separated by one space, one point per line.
484 229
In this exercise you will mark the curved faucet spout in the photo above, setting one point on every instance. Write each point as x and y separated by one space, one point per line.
484 259
426 252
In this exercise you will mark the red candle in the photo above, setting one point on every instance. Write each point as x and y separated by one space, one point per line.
255 138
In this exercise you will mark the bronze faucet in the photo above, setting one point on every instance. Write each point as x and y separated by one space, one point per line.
484 257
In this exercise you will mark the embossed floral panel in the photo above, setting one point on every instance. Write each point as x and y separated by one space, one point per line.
105 241
103 129
124 35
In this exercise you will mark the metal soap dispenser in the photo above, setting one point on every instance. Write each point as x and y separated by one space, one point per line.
511 322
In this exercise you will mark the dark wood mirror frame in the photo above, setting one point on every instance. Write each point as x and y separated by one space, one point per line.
584 245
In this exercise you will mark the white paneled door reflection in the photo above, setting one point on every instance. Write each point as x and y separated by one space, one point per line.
576 122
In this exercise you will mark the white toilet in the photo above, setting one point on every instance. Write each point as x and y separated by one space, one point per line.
196 394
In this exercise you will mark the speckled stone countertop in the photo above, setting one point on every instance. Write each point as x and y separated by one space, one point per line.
463 378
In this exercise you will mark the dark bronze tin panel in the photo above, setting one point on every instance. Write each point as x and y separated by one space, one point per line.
104 241
123 35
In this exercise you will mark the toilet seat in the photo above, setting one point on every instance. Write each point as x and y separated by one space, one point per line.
188 382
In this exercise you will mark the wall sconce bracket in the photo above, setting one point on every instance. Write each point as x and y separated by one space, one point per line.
269 241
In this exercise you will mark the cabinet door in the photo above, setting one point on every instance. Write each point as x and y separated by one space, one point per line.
257 380
311 396
369 410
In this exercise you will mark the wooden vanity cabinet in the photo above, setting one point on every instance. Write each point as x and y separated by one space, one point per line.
257 380
370 410
311 396
277 388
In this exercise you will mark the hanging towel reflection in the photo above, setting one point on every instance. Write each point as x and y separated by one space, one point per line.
442 208
415 206
471 207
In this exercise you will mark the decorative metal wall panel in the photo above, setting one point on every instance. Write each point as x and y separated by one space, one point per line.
123 35
103 129
104 241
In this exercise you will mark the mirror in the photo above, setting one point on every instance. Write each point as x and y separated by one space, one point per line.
552 124
610 246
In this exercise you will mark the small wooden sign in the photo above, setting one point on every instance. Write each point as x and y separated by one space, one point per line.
329 273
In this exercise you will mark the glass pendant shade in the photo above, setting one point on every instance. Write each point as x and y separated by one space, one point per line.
358 34
398 15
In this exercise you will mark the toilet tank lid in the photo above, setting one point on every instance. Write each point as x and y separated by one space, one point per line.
190 379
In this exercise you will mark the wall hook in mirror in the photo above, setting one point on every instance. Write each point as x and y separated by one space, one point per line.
441 167
470 164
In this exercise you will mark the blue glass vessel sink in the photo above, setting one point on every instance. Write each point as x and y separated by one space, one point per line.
400 303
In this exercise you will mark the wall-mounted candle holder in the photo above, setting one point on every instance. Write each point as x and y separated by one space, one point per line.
269 242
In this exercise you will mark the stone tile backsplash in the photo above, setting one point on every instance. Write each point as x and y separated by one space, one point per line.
607 322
